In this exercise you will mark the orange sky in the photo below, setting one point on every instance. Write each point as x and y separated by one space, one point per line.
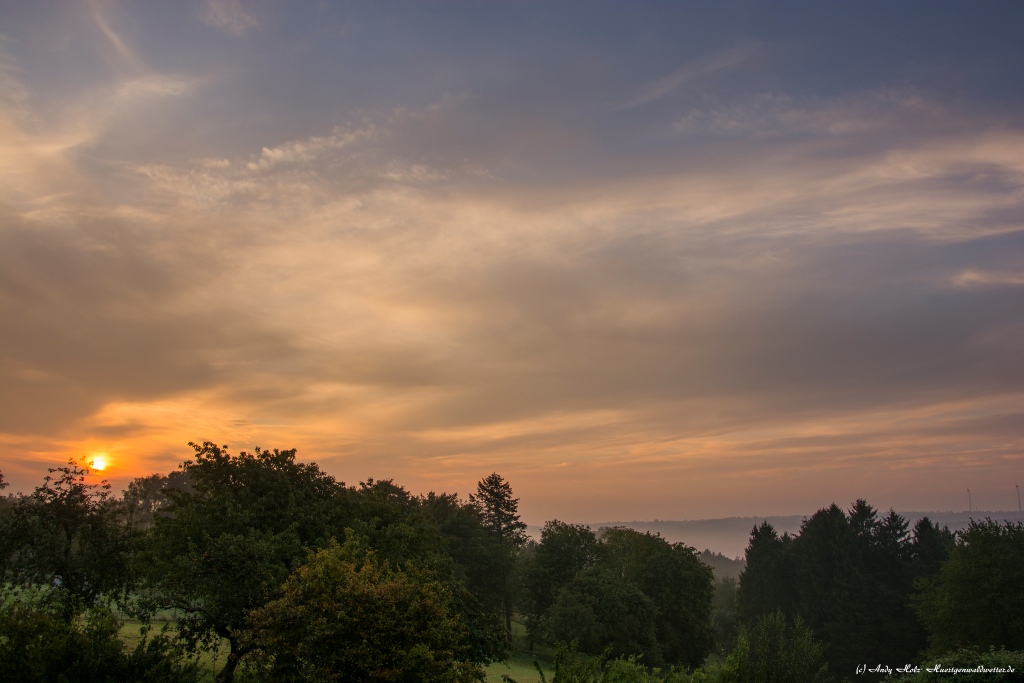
673 262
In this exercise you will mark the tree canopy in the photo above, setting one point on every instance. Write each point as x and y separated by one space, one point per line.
977 597
67 535
348 615
306 578
226 543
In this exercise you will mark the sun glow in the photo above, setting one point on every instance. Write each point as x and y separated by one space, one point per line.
98 462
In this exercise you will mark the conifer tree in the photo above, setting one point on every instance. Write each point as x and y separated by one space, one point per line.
499 513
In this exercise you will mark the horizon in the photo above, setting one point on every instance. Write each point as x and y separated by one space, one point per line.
649 261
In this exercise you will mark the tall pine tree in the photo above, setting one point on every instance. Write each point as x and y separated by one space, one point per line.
499 513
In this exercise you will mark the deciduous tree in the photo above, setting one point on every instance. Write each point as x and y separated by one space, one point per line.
226 543
67 535
564 551
348 616
772 651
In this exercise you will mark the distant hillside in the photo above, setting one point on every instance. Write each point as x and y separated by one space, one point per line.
723 567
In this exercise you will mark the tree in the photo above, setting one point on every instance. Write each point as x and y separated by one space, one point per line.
564 551
676 582
468 547
499 513
393 522
725 613
38 644
146 496
771 651
895 633
850 576
600 612
831 583
766 583
930 547
224 544
8 532
976 599
67 535
346 615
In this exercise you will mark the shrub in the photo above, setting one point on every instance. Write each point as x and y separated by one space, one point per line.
39 643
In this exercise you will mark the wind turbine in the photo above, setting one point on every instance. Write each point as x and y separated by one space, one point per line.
970 508
1018 497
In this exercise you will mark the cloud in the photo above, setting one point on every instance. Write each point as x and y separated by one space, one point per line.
124 55
230 16
311 149
693 71
975 278
756 284
775 114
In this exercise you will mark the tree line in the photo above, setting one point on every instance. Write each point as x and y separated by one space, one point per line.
305 578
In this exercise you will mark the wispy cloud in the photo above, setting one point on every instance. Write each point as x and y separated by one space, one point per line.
691 72
124 55
230 16
776 114
975 278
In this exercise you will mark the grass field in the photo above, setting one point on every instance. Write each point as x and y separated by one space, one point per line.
209 661
519 667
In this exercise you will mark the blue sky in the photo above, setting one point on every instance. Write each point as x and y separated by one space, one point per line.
669 260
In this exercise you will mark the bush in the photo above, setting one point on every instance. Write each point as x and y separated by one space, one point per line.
774 652
571 666
39 643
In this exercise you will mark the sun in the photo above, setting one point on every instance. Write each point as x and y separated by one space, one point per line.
98 463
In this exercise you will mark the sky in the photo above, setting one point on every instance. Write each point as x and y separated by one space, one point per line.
670 260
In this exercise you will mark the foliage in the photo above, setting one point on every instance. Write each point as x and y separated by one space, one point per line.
602 613
564 551
227 541
572 666
931 547
468 548
676 582
771 651
346 615
850 576
725 613
830 585
68 535
499 514
976 598
766 583
499 510
146 496
390 520
627 593
439 533
893 632
38 643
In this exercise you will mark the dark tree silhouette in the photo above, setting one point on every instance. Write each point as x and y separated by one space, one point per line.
499 512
